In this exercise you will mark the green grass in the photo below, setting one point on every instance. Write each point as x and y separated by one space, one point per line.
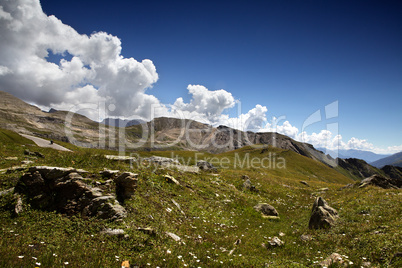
217 212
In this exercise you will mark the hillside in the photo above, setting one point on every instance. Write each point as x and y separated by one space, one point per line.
394 160
211 214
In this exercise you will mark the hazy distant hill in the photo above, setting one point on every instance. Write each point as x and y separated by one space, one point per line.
394 160
117 122
352 153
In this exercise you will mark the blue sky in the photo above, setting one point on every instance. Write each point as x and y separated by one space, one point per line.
293 57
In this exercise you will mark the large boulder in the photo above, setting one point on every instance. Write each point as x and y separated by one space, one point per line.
322 215
64 190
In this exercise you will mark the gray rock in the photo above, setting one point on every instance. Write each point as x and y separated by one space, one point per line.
173 236
163 161
204 165
275 242
322 215
18 206
333 259
266 209
113 232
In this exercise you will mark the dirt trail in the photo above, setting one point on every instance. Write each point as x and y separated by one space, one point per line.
45 143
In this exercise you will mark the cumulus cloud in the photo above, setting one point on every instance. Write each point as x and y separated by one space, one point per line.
97 72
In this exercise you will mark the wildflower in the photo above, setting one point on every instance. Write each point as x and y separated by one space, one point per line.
34 258
66 263
38 263
168 251
54 255
179 257
20 257
30 246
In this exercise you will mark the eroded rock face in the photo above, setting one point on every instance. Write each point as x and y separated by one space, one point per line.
63 190
322 215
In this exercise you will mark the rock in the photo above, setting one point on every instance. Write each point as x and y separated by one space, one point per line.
63 190
347 186
18 206
147 230
4 192
306 238
275 242
248 185
113 232
37 154
27 162
322 216
105 207
323 189
107 173
162 161
204 165
305 183
174 236
11 158
121 158
333 259
126 184
380 181
171 179
266 209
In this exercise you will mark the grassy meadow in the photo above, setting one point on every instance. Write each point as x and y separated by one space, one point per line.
209 211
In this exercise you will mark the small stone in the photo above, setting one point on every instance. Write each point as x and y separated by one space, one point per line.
275 242
306 238
305 183
334 258
147 230
174 236
171 179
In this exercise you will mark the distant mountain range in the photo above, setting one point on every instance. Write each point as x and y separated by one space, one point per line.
352 153
117 122
394 160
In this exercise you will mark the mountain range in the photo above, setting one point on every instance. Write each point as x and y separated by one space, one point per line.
394 160
353 153
165 134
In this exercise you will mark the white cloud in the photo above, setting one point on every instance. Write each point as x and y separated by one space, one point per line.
205 102
97 71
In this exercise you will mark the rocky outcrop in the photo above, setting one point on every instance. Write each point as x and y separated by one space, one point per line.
63 190
381 181
322 215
